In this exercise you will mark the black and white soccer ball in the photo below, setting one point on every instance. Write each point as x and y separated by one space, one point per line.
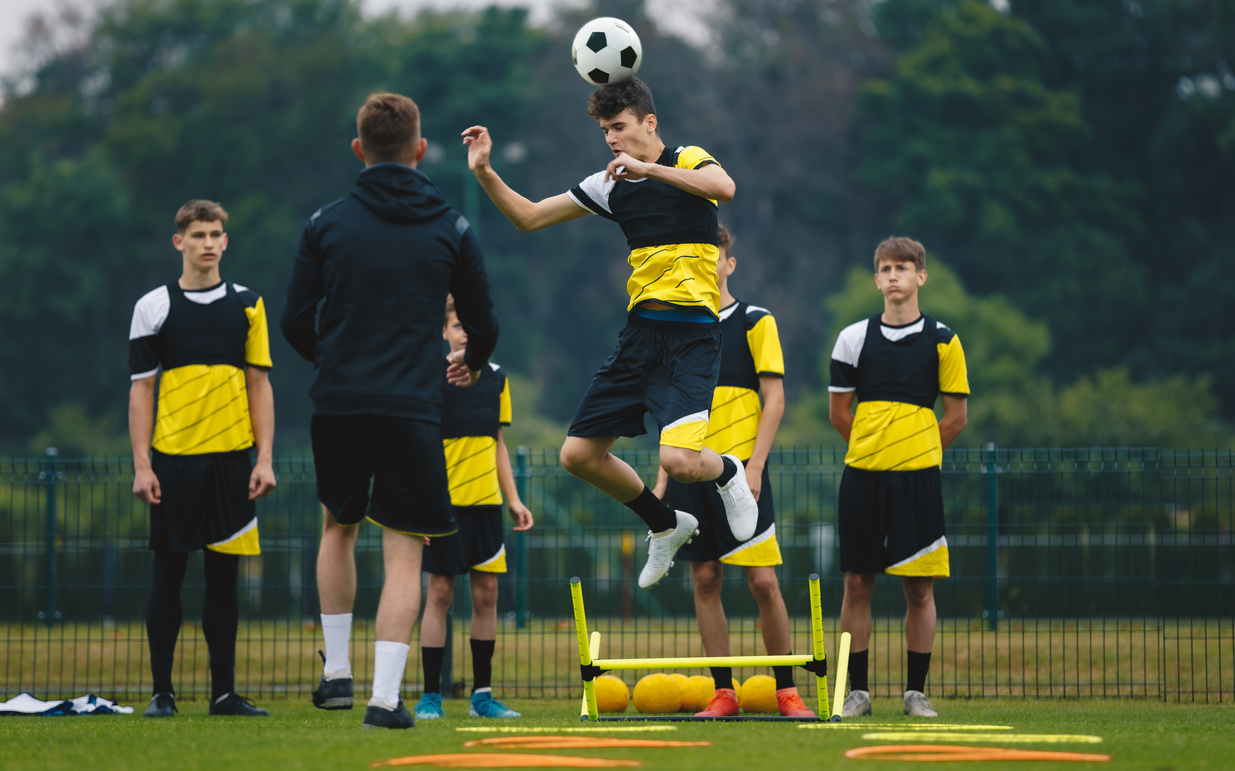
606 51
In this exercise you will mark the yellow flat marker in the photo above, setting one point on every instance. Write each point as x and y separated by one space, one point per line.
590 729
576 742
904 727
957 736
938 752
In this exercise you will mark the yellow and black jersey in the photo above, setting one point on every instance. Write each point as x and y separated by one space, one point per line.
672 234
897 373
750 347
471 419
201 340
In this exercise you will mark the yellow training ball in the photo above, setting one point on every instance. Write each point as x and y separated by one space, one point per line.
698 692
737 690
612 695
681 680
759 694
658 694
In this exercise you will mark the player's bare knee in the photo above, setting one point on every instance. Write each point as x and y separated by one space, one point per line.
764 586
859 587
706 577
681 464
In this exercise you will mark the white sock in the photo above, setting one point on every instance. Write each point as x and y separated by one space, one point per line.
337 629
389 661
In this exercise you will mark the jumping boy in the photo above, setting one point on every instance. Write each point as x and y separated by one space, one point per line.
668 355
890 508
751 366
478 466
203 344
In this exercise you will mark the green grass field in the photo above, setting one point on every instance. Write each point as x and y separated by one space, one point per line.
1136 734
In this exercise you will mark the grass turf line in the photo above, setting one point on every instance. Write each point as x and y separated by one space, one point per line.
1139 735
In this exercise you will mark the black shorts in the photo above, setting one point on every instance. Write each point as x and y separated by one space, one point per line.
666 368
892 522
401 459
715 541
204 503
477 546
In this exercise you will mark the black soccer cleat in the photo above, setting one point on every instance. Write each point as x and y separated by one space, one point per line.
388 717
233 704
161 705
336 693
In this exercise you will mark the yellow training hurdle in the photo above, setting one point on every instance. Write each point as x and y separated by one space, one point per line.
592 666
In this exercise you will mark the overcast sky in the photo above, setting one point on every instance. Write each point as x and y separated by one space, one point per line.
13 15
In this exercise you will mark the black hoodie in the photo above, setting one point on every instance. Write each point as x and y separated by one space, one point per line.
381 262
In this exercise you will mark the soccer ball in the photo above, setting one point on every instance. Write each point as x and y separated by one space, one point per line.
698 692
606 51
612 695
658 694
759 694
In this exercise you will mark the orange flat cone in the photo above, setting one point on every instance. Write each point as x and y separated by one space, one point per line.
500 760
576 742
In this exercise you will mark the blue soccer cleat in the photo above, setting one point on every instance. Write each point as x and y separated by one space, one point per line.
429 707
484 705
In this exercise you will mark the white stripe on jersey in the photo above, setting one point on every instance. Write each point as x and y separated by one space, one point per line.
691 418
756 309
150 313
597 189
727 312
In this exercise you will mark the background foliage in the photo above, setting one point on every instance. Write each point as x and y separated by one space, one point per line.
1067 165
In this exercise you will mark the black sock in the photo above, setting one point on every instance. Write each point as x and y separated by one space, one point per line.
431 662
858 661
164 616
784 677
482 663
727 472
220 619
918 664
653 511
723 677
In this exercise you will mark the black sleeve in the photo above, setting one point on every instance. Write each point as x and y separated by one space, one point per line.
470 286
304 291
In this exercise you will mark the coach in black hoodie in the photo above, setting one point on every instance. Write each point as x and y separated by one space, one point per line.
380 262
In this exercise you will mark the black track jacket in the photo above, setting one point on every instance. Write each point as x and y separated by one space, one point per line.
381 262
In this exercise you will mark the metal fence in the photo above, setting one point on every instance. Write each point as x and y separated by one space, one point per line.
1076 572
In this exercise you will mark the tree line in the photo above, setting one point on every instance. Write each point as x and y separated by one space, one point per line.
1067 165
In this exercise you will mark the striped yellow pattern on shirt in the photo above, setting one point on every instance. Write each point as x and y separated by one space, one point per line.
471 465
677 274
203 408
893 436
733 421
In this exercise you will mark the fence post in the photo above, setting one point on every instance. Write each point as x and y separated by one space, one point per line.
992 510
521 547
50 614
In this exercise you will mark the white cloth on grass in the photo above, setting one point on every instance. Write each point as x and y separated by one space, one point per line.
25 704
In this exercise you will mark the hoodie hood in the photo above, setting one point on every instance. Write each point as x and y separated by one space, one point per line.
399 193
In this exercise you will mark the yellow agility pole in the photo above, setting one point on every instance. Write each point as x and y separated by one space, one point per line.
595 651
585 653
821 656
842 670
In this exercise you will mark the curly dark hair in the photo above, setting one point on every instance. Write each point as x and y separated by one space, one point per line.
607 101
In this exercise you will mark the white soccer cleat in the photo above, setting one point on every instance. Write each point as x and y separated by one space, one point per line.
662 547
917 705
857 703
741 508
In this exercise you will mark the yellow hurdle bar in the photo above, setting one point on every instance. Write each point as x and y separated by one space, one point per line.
702 662
816 625
842 670
585 653
595 651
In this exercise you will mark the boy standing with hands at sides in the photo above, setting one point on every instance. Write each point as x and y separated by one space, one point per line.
364 304
890 507
741 424
668 356
478 466
203 343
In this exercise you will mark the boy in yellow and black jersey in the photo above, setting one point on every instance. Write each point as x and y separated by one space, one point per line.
747 407
890 510
203 345
667 358
478 466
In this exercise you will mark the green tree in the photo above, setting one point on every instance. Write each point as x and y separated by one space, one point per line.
967 148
